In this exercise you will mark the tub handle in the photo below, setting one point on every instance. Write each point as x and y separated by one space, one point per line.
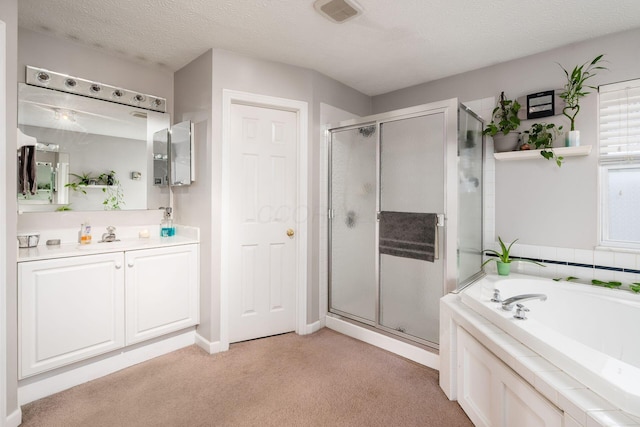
521 312
496 296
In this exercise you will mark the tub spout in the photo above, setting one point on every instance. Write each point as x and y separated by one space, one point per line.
508 304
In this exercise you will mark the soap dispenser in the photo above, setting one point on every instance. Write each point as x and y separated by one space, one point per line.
167 229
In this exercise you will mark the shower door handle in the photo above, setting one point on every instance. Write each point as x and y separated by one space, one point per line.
439 223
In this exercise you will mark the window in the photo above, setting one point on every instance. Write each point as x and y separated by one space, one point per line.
619 114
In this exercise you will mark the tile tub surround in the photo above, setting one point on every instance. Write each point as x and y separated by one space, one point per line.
581 406
586 265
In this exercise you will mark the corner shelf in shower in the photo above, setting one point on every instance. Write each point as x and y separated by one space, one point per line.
581 150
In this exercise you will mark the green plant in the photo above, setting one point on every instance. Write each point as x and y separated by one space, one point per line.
83 180
504 254
504 118
635 287
107 178
63 208
113 190
541 136
611 284
568 279
574 89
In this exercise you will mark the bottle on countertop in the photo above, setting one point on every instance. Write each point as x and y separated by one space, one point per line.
85 234
167 229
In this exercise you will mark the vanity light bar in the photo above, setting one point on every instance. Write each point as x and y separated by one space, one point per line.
64 83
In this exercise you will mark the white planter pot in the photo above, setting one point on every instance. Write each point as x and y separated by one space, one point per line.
572 138
508 142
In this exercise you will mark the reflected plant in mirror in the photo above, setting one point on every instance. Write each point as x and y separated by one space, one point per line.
85 152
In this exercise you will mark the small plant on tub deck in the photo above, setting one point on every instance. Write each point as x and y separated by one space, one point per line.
611 284
504 259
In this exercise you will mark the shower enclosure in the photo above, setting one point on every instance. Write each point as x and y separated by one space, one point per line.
405 215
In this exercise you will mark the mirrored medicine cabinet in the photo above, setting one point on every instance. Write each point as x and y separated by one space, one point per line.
173 159
80 153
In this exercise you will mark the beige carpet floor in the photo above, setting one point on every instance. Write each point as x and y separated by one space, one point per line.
323 379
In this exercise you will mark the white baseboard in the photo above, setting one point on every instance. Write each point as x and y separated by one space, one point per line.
15 419
51 382
208 346
385 342
313 327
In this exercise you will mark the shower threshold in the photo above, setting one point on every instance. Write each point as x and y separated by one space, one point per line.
418 352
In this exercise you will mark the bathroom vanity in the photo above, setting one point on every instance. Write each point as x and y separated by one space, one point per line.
80 301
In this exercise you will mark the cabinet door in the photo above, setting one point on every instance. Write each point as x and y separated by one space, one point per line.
493 395
69 309
161 292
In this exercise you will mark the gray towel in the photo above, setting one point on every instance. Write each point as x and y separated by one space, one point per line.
408 235
27 171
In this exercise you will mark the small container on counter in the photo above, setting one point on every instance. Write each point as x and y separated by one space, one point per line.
85 234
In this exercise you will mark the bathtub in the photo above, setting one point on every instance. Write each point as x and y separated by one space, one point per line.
590 333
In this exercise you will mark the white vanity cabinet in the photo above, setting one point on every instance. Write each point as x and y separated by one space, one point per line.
161 292
492 395
75 307
69 309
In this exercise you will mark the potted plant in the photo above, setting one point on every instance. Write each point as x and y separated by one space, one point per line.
541 136
574 89
84 180
113 191
503 260
504 125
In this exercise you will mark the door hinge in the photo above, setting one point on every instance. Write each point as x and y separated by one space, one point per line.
331 214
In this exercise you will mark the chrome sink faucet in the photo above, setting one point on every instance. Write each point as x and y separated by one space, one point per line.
110 235
508 304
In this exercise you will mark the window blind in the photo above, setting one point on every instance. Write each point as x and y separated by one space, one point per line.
620 122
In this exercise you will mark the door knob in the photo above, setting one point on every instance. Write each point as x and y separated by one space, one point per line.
291 233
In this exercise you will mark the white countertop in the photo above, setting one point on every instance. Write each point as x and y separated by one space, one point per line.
184 236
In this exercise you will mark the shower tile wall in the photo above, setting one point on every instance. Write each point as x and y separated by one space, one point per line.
600 264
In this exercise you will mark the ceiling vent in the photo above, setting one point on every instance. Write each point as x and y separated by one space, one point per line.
337 11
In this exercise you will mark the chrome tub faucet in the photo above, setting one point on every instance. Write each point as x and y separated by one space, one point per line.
508 304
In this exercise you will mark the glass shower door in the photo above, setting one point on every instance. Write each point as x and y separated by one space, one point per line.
352 261
412 193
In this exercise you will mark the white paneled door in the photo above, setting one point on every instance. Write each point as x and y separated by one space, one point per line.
263 220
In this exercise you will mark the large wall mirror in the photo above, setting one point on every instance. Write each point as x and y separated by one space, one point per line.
84 154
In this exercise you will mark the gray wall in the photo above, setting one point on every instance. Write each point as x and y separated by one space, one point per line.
193 204
535 201
241 73
8 205
76 59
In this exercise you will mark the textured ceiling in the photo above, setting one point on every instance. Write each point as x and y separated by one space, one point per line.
393 44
